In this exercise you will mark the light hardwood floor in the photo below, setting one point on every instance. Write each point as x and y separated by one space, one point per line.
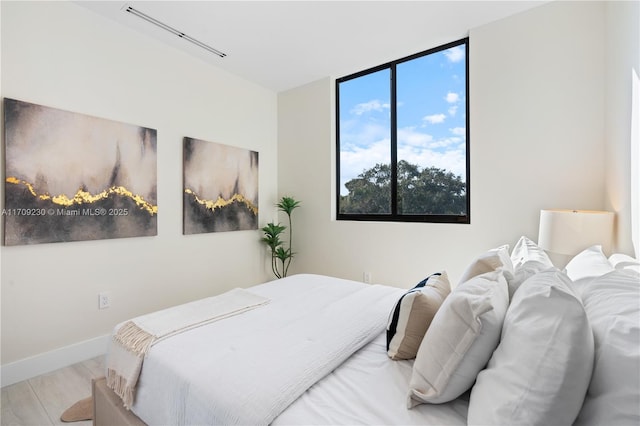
40 401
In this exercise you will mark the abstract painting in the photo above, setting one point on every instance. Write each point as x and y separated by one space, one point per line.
220 188
74 177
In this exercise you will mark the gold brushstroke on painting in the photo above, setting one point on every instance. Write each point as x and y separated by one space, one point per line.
221 202
84 197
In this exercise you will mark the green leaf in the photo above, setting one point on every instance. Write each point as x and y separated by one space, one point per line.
282 253
272 235
287 205
273 228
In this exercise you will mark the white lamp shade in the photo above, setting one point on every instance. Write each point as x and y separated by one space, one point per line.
568 232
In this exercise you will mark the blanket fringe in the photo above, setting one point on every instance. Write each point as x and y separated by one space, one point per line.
119 385
134 338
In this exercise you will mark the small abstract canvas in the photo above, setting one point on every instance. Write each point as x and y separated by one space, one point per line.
220 188
74 177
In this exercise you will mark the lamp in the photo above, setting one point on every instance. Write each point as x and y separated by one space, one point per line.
565 233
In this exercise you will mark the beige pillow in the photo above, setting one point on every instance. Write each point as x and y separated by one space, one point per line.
490 261
463 334
413 314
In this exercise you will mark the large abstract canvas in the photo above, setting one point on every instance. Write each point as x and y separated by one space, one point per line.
74 177
220 187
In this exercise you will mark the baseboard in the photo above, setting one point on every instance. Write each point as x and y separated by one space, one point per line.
28 368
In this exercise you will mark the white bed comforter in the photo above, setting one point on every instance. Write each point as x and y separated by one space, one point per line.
247 369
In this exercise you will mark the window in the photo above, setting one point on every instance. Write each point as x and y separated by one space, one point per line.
403 139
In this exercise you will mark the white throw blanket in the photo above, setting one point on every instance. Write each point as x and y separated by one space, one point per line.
134 338
247 369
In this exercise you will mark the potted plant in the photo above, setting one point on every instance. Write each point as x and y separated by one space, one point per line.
281 257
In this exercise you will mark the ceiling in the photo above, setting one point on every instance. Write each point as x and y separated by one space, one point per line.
284 44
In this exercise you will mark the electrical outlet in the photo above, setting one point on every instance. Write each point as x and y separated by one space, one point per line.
103 300
366 277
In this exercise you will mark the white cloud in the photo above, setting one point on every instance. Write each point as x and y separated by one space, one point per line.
373 105
452 97
452 160
423 149
452 110
435 118
455 54
408 136
359 159
459 131
355 135
444 143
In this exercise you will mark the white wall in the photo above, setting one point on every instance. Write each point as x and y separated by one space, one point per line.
62 55
623 67
537 141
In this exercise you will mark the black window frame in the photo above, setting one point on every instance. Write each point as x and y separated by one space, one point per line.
394 216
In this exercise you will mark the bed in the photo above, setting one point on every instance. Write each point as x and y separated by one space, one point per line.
516 341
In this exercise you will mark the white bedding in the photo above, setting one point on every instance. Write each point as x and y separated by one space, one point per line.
135 337
370 389
278 351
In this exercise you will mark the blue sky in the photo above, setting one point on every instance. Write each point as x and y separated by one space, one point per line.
431 116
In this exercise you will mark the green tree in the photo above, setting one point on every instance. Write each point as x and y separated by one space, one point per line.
369 193
420 191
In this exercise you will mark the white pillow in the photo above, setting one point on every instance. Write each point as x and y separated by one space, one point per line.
526 251
460 340
589 263
487 262
612 303
412 315
540 372
528 259
624 261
